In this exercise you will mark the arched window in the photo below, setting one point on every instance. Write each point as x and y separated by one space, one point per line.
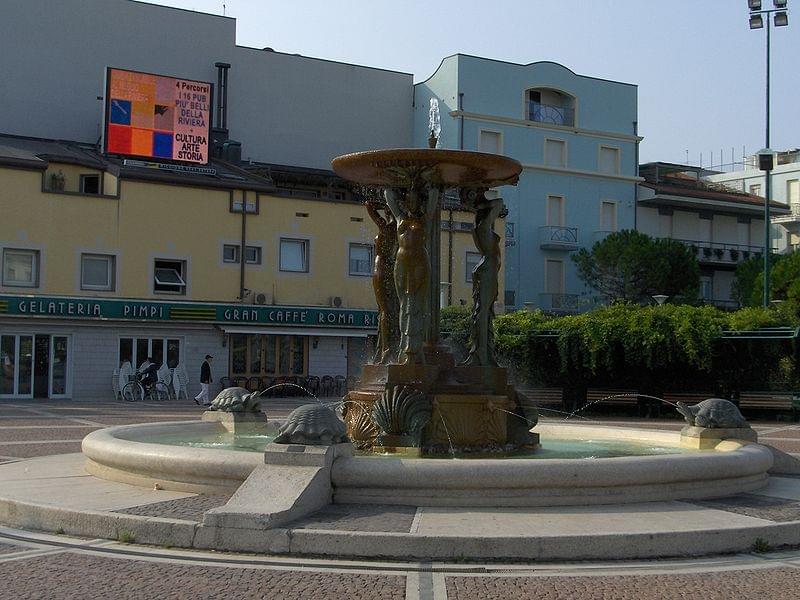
546 105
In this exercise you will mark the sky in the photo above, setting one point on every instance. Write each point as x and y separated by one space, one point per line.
700 70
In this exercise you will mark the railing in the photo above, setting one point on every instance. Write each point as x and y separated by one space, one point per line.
552 237
722 252
549 113
567 303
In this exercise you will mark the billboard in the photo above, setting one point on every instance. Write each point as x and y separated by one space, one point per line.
157 117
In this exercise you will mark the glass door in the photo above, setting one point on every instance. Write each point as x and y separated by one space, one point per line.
59 365
41 366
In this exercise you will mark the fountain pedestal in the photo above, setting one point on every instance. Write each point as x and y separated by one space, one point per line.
707 438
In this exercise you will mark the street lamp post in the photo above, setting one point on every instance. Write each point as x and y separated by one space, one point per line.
766 157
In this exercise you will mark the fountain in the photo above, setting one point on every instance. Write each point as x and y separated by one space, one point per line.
415 405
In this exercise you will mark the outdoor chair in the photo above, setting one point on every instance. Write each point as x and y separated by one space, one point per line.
312 384
327 385
341 385
226 382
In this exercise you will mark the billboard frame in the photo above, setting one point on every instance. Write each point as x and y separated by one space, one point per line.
155 159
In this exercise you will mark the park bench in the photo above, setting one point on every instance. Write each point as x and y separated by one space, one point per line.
613 397
543 397
688 397
755 401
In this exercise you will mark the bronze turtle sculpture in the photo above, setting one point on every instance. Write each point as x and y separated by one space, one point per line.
714 413
237 399
314 425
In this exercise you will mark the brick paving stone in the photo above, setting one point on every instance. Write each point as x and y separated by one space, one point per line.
753 505
360 517
754 584
54 433
31 450
189 509
69 576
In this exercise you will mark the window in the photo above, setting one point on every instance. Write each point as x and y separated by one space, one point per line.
793 195
705 228
20 268
509 231
90 184
97 272
755 189
471 262
550 106
608 160
294 255
510 298
665 225
268 355
706 287
169 277
608 216
490 141
555 211
360 260
237 198
136 350
555 153
230 253
554 277
252 254
743 232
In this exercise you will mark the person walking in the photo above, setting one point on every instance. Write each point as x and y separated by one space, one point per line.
205 381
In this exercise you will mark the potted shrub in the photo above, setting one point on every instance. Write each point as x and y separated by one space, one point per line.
745 254
718 252
734 254
707 252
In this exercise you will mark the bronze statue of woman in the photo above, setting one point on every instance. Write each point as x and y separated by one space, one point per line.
383 284
411 272
485 284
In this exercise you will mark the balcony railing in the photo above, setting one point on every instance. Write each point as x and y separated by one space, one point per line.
549 113
552 237
567 303
719 252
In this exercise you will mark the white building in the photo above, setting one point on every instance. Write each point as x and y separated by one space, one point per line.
722 226
785 190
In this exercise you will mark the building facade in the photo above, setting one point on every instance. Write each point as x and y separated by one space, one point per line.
785 190
723 227
576 138
104 263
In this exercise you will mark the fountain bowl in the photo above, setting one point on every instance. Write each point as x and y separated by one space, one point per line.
449 168
731 467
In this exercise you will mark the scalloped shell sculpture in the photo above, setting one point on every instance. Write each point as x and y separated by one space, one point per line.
313 425
403 411
237 399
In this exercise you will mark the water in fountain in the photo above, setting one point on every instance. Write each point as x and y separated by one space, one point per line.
593 402
434 120
300 387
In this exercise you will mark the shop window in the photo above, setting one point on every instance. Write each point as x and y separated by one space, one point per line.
472 260
268 355
20 268
90 184
360 260
97 272
136 350
294 255
169 277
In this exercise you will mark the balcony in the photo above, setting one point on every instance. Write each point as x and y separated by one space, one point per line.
567 304
552 237
722 254
550 113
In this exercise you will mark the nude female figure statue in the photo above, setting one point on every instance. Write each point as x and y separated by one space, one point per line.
411 273
484 282
383 284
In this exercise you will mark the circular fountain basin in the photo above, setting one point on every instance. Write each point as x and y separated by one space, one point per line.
199 457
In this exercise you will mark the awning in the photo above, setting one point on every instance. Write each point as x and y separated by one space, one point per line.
316 331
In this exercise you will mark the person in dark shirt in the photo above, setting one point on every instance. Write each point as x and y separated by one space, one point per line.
205 381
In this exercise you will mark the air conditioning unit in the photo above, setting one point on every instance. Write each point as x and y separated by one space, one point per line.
336 301
260 298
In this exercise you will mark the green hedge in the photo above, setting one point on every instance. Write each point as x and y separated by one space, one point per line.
649 348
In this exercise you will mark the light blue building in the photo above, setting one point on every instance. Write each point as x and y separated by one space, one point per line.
576 138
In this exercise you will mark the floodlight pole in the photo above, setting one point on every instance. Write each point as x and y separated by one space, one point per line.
767 192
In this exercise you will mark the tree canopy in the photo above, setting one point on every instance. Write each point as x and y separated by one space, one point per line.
631 266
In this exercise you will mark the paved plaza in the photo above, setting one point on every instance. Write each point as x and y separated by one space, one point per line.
46 565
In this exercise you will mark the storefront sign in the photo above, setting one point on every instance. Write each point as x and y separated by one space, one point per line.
92 308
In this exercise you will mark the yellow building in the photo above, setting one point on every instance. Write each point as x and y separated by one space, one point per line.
107 261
